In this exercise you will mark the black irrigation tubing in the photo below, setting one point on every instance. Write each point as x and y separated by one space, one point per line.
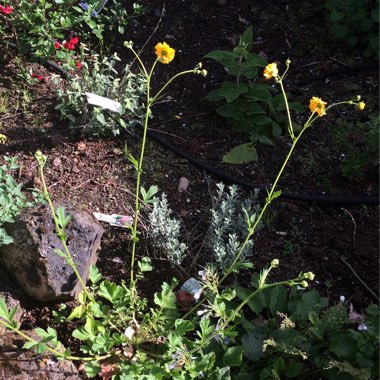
326 199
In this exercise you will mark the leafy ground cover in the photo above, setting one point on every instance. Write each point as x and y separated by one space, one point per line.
337 242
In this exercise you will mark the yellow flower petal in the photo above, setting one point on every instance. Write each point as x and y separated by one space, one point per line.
271 71
317 105
164 52
361 106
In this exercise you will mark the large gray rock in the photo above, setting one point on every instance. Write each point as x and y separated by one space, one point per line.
32 262
18 364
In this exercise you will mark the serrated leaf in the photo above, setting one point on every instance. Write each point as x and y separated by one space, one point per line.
4 309
145 264
166 298
183 326
110 291
77 312
94 275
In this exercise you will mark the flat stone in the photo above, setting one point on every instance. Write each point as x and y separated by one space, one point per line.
32 261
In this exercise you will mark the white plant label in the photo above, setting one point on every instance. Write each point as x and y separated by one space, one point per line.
103 102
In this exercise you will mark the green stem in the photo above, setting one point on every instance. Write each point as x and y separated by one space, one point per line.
267 202
168 82
137 200
61 235
52 350
290 127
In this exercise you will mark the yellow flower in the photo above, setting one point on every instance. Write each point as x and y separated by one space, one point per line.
271 71
317 105
3 138
164 52
361 106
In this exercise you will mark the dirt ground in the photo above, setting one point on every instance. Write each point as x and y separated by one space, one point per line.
337 242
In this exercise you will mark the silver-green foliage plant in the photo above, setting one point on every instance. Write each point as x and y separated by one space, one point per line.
101 78
12 200
228 226
166 231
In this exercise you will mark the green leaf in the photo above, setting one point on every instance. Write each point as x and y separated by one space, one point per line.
277 299
94 274
256 60
145 264
228 294
276 130
227 110
245 40
166 299
232 92
344 345
221 56
258 92
253 344
100 118
77 312
110 291
241 154
234 356
262 120
4 309
256 303
265 140
183 326
148 195
293 369
92 368
40 348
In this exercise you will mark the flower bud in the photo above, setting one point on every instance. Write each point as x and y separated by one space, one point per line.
358 97
40 158
275 263
128 44
309 276
304 284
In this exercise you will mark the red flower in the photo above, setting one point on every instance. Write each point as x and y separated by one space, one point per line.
39 77
6 10
57 45
68 46
78 65
74 40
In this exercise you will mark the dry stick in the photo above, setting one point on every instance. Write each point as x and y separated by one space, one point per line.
357 276
355 226
152 34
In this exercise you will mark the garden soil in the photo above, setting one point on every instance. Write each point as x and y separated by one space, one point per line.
339 243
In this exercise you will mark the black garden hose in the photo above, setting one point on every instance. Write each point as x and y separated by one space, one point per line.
326 199
329 199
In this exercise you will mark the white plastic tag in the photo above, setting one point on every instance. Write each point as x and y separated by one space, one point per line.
103 102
